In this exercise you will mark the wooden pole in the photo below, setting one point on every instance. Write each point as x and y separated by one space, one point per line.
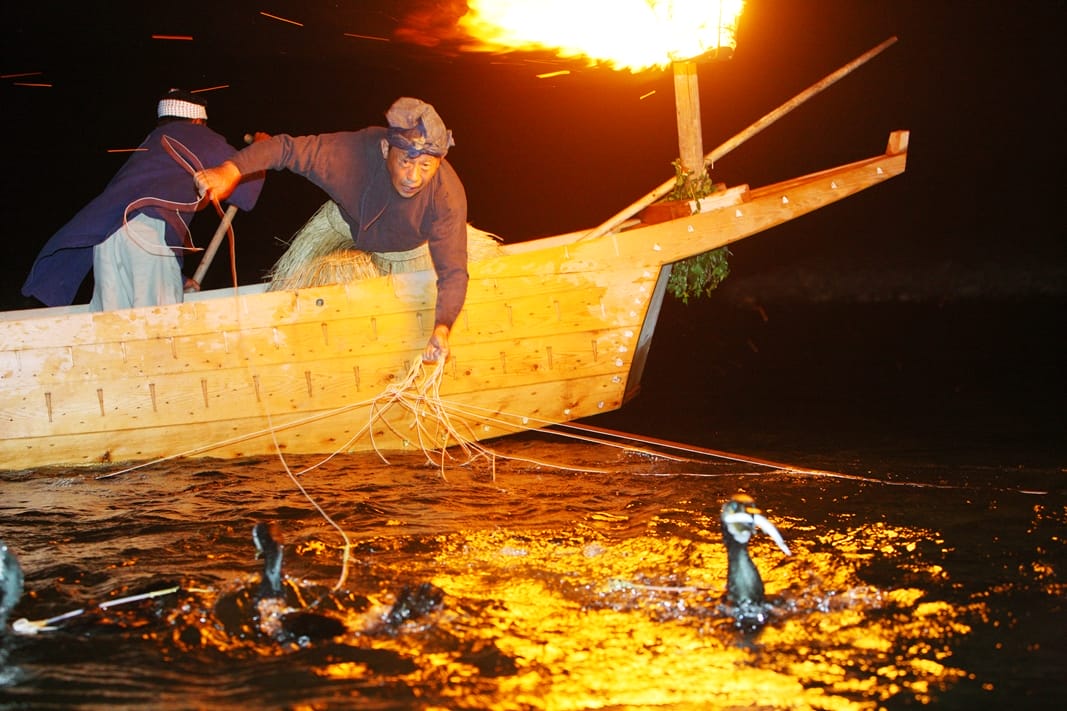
209 253
643 202
224 227
687 109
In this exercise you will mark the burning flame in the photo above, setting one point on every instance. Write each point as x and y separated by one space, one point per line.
626 34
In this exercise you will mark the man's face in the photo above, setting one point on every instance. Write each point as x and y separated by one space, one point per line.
409 175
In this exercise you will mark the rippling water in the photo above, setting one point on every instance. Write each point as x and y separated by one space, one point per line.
561 588
931 572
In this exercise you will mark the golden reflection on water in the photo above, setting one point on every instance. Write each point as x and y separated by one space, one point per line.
592 621
588 617
614 609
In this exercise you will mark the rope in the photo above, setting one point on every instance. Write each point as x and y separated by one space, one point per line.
347 554
419 395
437 424
188 160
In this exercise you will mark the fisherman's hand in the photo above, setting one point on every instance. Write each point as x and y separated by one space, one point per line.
437 346
217 183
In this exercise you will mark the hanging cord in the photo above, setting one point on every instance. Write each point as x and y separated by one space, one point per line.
418 394
435 423
432 426
347 554
192 164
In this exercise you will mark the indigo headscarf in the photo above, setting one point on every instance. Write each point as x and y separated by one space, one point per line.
415 128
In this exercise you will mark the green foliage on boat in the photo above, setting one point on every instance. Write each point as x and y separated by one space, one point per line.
698 275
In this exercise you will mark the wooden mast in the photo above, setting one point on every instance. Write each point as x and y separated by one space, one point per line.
687 109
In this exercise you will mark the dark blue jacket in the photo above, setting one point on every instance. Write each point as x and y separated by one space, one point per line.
350 168
67 257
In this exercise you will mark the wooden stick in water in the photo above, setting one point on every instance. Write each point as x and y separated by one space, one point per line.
31 627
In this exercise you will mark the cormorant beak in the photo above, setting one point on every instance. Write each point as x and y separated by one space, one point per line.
768 528
260 535
742 524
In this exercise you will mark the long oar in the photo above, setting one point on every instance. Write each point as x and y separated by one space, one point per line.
640 204
209 253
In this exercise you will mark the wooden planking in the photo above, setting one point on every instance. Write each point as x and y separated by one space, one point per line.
582 308
189 399
264 310
489 414
574 300
79 403
668 242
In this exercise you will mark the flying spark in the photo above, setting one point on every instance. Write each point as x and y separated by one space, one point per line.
367 37
281 19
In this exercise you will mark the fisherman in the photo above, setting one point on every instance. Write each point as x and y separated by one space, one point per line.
393 187
134 234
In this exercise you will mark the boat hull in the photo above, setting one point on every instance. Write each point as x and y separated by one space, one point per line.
553 330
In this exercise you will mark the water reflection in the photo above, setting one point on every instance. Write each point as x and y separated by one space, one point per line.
577 616
557 591
641 621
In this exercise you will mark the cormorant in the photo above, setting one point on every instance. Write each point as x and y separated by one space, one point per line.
11 580
276 618
744 586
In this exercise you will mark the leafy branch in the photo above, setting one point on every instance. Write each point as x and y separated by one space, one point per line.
701 274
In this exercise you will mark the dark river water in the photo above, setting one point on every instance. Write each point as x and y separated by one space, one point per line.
927 538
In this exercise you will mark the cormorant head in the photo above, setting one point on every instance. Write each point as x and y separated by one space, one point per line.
741 518
263 539
271 552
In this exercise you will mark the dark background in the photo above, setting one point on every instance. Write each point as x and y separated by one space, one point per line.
925 312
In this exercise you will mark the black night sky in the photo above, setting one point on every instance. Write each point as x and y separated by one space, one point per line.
973 221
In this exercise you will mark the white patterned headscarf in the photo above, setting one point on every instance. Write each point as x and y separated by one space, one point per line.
179 103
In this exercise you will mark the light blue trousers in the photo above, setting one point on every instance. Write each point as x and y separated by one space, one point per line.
135 267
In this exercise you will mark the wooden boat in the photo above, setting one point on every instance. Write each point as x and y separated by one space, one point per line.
553 330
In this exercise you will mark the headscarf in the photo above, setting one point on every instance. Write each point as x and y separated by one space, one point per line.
179 103
415 128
